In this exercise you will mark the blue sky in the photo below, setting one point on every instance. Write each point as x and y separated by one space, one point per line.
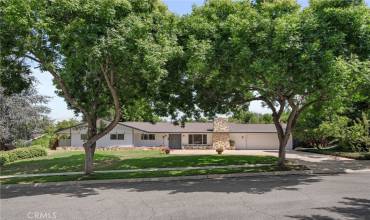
57 104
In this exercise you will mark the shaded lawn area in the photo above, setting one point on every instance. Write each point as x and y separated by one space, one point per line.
151 174
337 152
70 161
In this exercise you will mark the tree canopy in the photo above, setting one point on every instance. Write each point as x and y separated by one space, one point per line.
273 51
103 55
22 115
109 57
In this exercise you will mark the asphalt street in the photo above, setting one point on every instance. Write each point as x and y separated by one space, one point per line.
321 197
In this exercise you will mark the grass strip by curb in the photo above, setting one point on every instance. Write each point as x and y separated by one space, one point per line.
60 162
149 174
138 170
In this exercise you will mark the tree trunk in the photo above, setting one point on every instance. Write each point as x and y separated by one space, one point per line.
90 148
93 136
283 135
282 149
89 160
90 145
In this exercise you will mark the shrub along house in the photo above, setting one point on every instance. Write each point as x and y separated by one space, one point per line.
193 135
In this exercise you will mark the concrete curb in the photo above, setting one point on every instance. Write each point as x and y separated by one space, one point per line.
160 179
342 171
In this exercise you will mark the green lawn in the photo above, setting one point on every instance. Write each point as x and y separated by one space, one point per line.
68 161
336 152
102 176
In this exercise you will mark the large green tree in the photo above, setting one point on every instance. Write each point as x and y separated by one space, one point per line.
275 52
22 115
101 54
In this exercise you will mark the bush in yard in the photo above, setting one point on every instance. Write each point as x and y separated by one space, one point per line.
340 131
21 153
357 136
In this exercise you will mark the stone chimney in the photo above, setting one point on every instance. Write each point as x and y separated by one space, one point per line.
220 125
221 136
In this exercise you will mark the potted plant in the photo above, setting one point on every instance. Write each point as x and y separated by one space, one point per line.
219 150
166 150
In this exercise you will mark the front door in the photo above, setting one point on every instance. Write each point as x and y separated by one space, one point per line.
174 141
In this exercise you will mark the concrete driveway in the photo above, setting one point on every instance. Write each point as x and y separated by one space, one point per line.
319 163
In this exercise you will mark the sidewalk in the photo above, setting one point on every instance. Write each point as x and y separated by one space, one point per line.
138 170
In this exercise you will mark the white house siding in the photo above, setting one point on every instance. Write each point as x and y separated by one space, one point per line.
105 141
248 141
161 139
257 141
119 129
76 137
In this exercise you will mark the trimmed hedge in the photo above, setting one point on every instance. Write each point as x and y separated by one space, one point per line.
21 153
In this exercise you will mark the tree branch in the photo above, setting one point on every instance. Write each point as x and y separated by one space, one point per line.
108 76
52 70
258 98
271 106
282 106
32 58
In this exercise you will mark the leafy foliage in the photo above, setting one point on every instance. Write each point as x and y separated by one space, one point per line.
42 141
103 55
14 73
323 125
22 115
340 131
238 51
21 153
357 136
242 116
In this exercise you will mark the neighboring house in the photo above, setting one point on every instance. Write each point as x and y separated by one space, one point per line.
193 135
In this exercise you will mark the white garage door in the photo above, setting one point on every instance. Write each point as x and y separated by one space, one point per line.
255 141
264 141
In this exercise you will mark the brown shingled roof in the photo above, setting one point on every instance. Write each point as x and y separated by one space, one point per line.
168 127
198 127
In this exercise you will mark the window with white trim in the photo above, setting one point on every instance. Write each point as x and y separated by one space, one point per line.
147 137
198 139
117 136
121 136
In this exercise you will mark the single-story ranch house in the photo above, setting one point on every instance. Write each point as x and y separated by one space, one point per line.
193 135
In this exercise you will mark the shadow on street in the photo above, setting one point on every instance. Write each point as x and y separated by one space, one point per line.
349 208
252 185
